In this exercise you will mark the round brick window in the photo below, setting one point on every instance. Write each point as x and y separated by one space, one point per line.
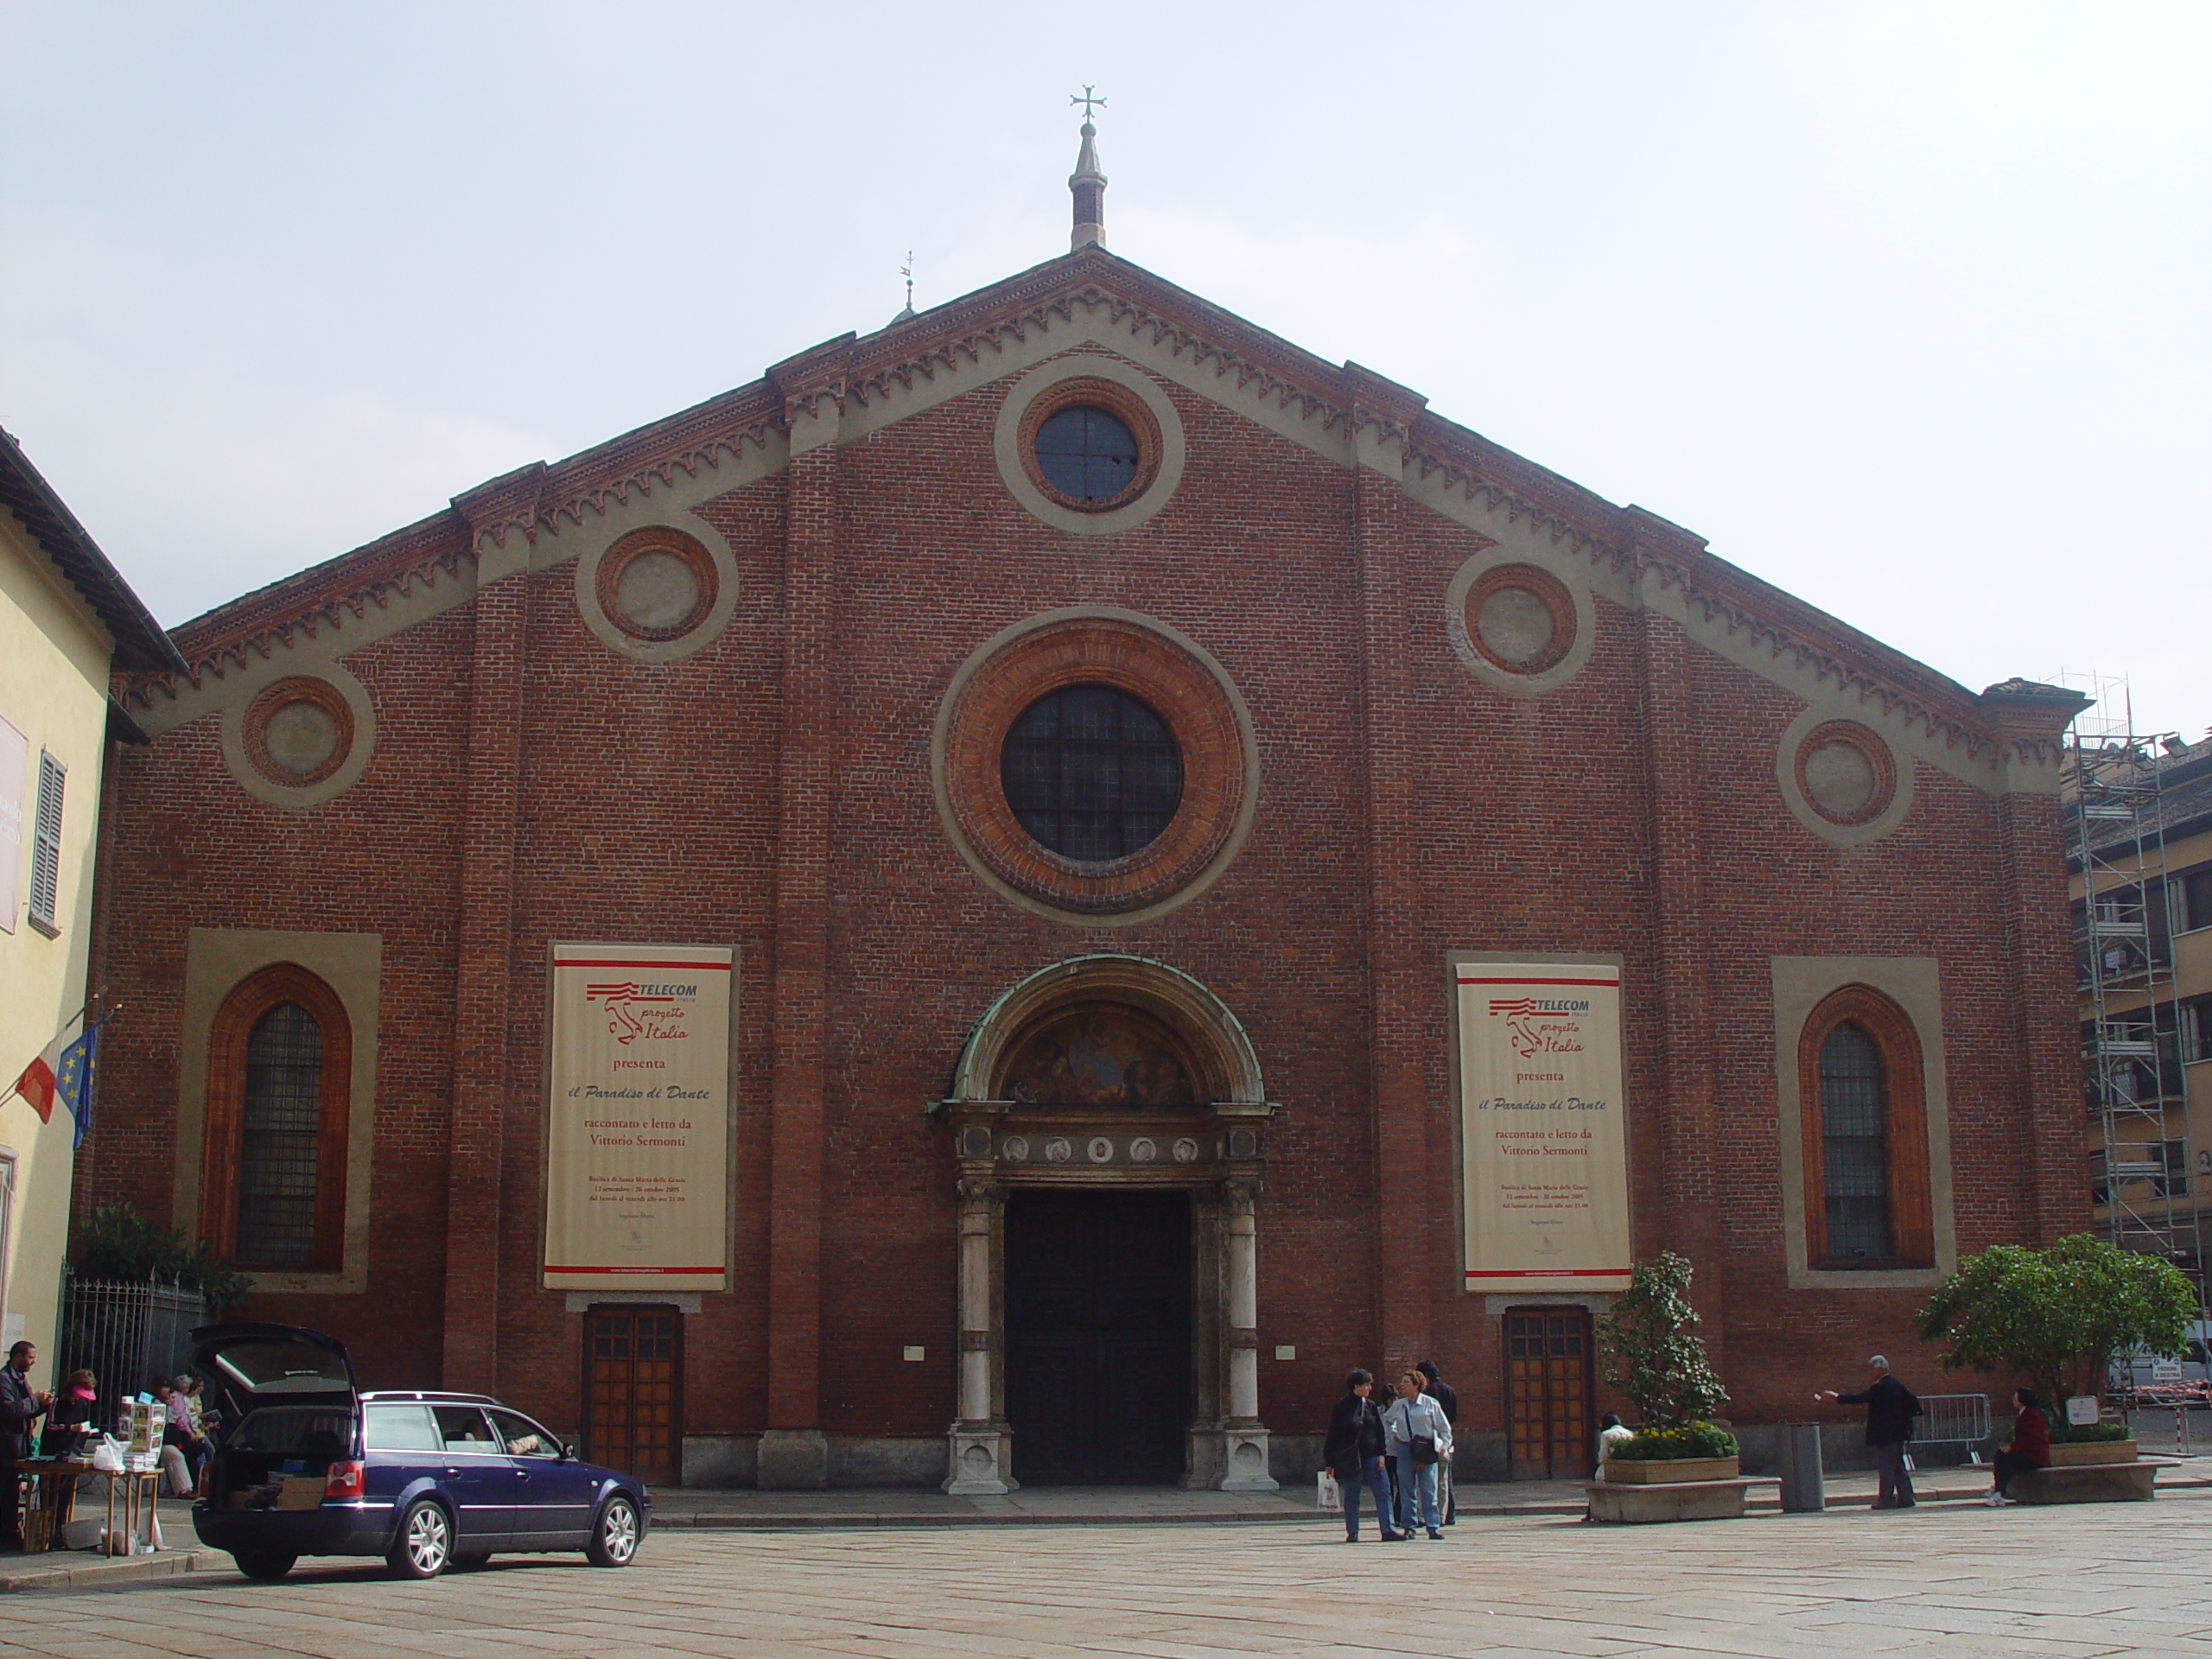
656 584
1089 444
298 732
1093 774
1094 764
1521 618
1845 773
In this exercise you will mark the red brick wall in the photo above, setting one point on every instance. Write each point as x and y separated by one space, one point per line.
1634 810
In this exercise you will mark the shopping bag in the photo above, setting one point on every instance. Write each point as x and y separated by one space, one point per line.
107 1456
1326 1495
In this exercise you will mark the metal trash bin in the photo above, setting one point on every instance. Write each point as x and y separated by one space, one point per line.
1804 1485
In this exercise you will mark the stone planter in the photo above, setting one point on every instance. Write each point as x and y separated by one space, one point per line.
1654 1472
2082 1454
1627 1503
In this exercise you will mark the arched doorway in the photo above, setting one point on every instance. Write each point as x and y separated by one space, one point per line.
1107 1117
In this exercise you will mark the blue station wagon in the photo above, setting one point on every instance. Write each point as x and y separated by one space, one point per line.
309 1465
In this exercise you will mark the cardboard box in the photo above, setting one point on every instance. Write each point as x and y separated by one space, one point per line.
300 1492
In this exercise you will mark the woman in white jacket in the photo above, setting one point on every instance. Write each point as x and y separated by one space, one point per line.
1414 1417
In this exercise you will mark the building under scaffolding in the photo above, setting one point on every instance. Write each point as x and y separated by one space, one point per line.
2138 816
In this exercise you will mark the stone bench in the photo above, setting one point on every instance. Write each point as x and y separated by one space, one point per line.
1626 1503
2089 1483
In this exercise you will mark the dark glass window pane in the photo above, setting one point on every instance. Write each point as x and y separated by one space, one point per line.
1091 772
1854 1161
1087 454
281 1125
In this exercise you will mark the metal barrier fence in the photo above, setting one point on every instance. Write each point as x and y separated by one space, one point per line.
126 1334
1960 1420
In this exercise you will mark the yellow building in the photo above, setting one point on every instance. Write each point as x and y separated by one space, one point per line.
67 621
2140 843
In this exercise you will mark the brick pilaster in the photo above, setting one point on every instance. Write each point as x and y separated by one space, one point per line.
485 931
813 396
1405 991
1681 995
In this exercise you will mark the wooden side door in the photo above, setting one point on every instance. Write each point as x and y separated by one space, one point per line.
633 1374
1550 1432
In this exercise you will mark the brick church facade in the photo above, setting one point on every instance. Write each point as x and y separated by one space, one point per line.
1098 732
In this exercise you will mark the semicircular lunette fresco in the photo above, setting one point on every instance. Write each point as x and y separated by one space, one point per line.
1101 1059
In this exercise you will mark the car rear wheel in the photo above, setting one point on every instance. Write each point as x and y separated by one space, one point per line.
425 1543
264 1564
614 1534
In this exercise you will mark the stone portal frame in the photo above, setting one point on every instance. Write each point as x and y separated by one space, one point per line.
1214 1153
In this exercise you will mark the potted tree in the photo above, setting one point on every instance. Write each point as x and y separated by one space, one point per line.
1686 1462
2058 1317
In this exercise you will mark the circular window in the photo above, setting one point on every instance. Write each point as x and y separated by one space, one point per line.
1091 766
1090 444
1845 773
298 732
1092 772
656 584
1520 617
1086 454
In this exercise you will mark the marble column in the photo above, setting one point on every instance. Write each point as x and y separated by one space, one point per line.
981 1443
1244 1440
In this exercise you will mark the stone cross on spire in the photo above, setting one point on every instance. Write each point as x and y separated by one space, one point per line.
1087 182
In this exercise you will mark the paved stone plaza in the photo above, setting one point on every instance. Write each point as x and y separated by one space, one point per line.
1946 1579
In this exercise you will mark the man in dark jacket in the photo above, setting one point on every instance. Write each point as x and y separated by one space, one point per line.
1448 1397
1353 1454
1891 1407
21 1406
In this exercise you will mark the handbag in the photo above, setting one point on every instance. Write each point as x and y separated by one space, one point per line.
1423 1450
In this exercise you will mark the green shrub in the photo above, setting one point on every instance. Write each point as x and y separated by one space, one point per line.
1650 1351
2065 1433
1695 1440
2058 1315
118 1244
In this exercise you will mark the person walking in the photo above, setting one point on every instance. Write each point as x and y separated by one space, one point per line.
1448 1397
1354 1452
21 1405
1421 1439
2029 1448
1891 1407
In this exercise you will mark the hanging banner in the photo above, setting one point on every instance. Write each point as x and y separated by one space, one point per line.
637 1118
1544 1146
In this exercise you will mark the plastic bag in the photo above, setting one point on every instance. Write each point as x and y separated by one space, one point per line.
1326 1496
107 1456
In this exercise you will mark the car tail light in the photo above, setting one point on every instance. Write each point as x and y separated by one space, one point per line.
346 1480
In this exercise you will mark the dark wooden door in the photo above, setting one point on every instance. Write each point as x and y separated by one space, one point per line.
1550 1432
1098 1337
633 1370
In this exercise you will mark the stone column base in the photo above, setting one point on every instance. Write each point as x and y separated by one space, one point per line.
1230 1458
1244 1461
979 1461
792 1460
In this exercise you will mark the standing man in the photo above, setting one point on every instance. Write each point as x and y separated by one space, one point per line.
1891 1407
1448 1397
21 1406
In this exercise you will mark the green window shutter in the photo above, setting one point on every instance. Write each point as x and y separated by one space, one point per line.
45 842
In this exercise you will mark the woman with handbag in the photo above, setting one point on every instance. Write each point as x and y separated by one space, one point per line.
1419 1438
1353 1454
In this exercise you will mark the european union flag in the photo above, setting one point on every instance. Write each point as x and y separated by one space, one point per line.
73 1080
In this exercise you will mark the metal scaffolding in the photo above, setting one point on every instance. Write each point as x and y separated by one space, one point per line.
2134 1084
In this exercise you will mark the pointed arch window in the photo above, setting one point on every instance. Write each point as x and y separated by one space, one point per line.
273 1175
1864 1131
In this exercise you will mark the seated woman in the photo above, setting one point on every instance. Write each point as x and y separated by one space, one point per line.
2030 1447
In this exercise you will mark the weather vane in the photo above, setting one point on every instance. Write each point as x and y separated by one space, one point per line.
907 272
1087 99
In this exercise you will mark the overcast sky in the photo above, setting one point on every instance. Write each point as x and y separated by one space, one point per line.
1905 307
